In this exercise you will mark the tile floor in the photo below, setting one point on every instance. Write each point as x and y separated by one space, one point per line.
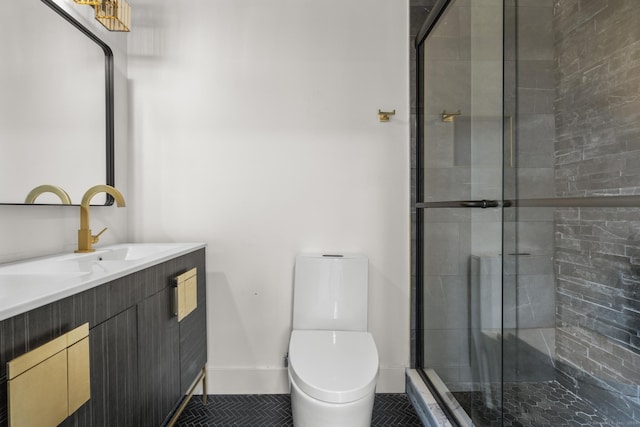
275 410
537 404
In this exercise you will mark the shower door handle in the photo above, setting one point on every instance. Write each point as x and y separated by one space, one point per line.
479 204
483 204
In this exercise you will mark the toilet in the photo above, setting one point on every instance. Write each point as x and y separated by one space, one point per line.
333 360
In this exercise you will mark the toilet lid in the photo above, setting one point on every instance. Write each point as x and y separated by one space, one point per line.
333 366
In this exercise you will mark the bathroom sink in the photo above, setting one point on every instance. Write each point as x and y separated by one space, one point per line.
136 252
125 252
103 260
31 283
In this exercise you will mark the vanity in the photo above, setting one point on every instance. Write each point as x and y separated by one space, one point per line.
143 360
111 337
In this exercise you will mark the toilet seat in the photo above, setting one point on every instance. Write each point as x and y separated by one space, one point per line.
333 366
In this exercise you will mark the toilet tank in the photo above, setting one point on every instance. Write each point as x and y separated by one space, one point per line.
330 292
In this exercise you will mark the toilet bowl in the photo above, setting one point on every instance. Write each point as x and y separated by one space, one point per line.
333 360
333 378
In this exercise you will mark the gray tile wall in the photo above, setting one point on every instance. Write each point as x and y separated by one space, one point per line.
447 176
462 72
529 288
597 152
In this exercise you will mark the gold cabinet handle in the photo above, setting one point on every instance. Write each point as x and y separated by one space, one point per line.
185 294
51 382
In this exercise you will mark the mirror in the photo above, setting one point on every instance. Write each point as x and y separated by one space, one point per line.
56 104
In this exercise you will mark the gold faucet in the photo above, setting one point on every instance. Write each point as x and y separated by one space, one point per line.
85 239
46 188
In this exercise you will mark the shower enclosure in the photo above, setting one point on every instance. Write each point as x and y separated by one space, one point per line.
528 211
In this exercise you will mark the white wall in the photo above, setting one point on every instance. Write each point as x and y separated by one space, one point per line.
28 231
254 129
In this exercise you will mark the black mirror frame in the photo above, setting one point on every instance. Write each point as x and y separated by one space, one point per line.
109 96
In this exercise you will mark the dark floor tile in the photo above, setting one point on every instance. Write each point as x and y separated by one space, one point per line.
394 410
275 410
536 404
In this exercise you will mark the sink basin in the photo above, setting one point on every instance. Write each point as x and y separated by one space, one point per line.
135 252
29 284
125 252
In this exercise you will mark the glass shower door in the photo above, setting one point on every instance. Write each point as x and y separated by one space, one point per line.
461 129
528 211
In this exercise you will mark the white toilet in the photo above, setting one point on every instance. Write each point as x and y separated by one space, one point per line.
333 360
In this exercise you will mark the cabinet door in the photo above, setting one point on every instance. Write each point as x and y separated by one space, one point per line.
114 369
193 338
114 375
159 358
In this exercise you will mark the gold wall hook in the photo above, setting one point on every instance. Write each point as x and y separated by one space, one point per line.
383 116
448 117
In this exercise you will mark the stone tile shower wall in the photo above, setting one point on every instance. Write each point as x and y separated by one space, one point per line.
528 298
597 152
531 292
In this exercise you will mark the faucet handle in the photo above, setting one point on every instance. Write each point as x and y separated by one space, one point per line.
94 239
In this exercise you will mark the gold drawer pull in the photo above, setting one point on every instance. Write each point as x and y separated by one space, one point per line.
186 293
78 374
48 384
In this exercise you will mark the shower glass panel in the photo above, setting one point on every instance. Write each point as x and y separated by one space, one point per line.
459 205
530 307
572 84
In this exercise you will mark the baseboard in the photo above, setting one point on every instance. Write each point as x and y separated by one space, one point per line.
247 381
391 380
275 381
424 403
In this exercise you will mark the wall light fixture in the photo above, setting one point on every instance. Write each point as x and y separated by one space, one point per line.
115 15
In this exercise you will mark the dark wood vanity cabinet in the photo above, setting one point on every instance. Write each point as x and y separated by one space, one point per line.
142 359
114 368
193 349
159 348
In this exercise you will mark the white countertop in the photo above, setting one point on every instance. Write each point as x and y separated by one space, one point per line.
30 284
